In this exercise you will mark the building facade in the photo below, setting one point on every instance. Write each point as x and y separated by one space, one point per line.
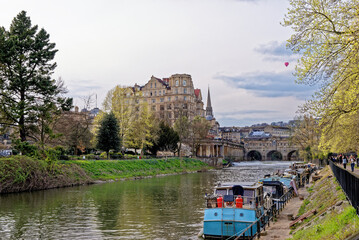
173 97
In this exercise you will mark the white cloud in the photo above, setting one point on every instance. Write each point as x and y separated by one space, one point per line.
105 43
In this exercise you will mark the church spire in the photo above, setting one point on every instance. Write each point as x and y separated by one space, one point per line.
209 111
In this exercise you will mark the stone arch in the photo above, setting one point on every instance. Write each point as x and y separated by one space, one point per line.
254 155
274 155
292 155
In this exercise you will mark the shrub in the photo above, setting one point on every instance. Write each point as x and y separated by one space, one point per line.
52 154
26 149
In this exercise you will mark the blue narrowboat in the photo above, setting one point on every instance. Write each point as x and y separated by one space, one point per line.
232 208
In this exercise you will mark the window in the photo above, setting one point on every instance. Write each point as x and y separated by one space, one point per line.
184 83
153 108
169 99
169 106
153 100
169 115
176 91
163 92
151 93
185 90
185 98
162 99
176 98
155 93
162 107
155 85
151 85
177 83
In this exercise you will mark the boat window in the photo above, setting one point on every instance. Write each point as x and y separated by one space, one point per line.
230 192
270 189
248 195
221 192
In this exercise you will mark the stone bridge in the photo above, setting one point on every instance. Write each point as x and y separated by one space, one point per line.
273 148
211 148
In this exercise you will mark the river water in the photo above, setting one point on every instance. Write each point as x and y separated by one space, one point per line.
168 207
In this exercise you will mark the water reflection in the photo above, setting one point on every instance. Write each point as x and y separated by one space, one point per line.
169 207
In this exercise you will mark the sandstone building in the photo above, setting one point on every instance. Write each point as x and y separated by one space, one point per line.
170 98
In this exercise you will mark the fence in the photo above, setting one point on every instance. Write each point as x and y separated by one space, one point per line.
265 219
349 183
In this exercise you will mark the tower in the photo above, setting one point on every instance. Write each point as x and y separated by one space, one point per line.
209 111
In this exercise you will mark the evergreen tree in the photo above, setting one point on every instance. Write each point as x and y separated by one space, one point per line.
167 140
27 91
108 134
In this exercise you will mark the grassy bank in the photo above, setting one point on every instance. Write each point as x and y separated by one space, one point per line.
336 218
22 173
118 169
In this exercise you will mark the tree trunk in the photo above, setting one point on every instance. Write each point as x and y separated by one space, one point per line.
22 115
179 149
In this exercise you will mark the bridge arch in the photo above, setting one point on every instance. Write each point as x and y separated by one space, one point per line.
254 155
274 155
293 155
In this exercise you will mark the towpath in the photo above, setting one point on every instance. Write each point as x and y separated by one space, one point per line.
280 229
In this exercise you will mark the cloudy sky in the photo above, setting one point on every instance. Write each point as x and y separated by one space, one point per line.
236 47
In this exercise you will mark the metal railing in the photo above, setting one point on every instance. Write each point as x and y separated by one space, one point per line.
264 220
349 183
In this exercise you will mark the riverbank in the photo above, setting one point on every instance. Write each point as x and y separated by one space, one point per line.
335 218
21 173
137 168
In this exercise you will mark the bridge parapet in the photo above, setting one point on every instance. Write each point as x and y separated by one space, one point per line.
271 148
214 148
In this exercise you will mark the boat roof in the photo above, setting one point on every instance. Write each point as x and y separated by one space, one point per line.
272 183
246 185
285 181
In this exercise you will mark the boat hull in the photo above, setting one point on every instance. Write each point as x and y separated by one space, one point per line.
229 222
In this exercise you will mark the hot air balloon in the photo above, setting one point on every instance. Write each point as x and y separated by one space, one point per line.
286 64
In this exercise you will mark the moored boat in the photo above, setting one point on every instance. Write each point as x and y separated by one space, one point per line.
233 208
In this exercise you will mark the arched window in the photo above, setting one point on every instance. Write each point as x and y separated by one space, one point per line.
177 83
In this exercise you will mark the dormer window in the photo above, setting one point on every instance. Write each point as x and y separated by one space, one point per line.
184 83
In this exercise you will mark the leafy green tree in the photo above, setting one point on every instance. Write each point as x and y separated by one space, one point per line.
182 127
124 102
167 139
305 134
326 34
108 134
198 132
140 134
27 91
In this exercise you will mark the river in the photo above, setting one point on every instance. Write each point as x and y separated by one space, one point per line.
167 207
